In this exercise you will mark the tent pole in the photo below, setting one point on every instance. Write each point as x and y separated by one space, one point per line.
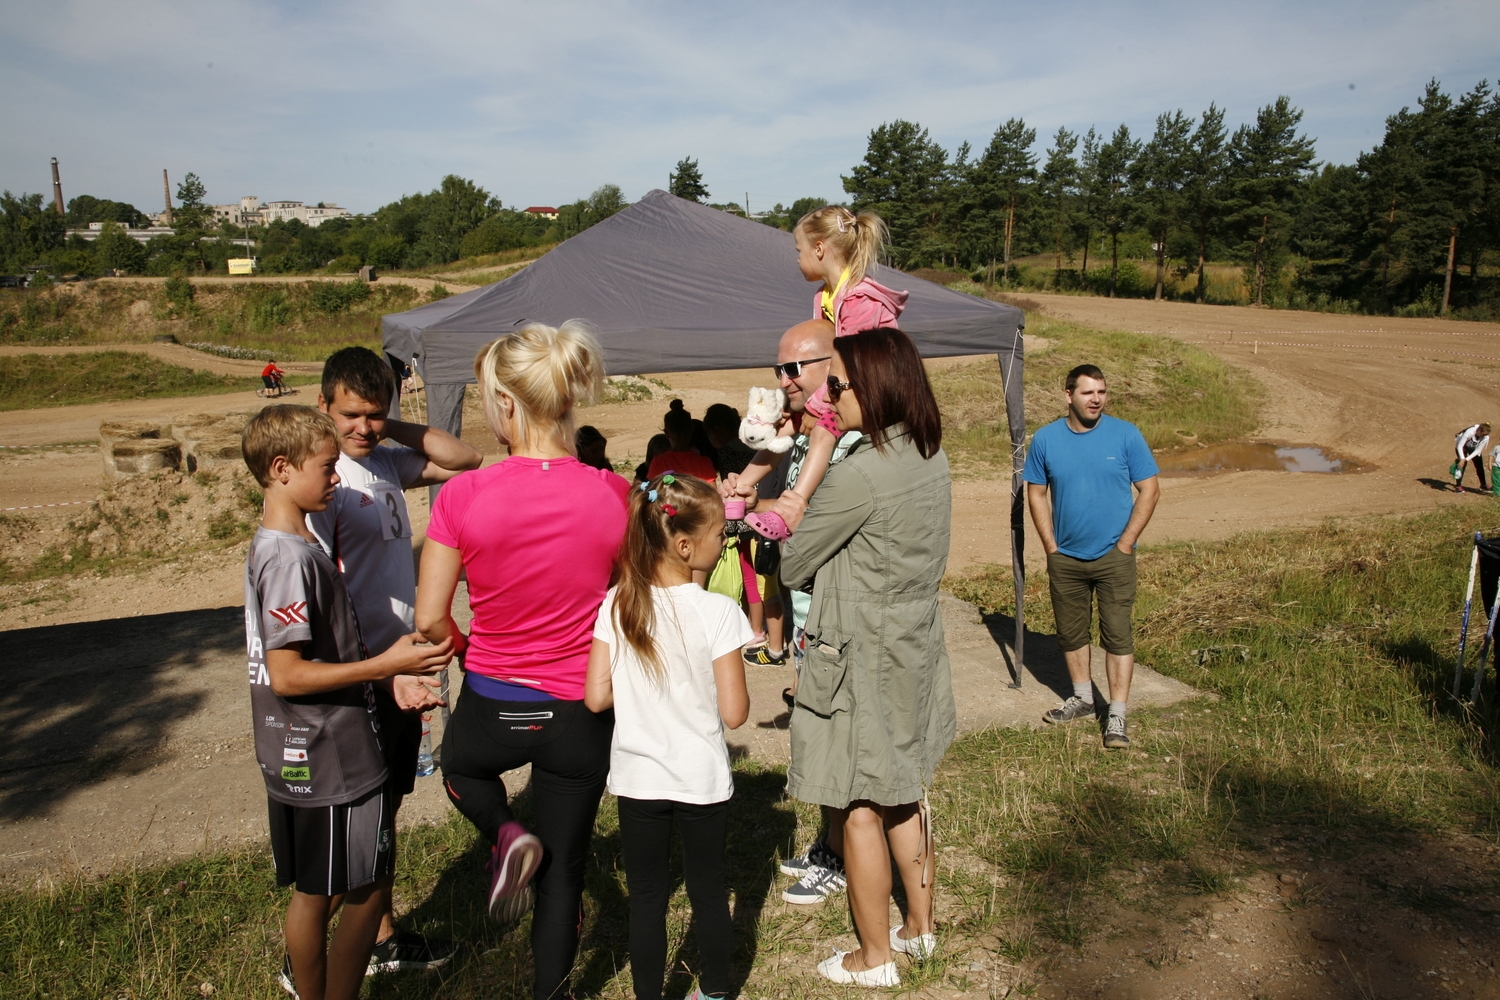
1012 376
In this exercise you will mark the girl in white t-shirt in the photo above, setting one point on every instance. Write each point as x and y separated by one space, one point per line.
666 656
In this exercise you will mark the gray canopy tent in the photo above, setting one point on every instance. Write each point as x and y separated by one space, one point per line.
671 285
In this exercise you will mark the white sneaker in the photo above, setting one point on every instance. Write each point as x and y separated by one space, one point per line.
921 948
833 970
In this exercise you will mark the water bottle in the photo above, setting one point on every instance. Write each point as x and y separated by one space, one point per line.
425 765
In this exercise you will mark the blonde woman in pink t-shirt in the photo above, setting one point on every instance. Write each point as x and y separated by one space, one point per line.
536 535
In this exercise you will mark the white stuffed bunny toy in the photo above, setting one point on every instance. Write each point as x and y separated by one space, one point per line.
762 418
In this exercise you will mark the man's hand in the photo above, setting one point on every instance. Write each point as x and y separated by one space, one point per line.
411 655
1127 549
416 693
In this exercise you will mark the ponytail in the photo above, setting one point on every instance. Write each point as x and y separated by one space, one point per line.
660 509
546 371
860 239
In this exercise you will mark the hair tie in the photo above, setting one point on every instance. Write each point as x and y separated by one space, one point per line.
667 478
669 510
853 220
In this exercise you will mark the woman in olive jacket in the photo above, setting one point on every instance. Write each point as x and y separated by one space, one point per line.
874 711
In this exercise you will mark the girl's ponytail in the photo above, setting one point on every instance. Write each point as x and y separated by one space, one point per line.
859 238
547 371
660 509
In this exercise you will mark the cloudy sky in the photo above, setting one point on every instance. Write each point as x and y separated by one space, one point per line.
359 103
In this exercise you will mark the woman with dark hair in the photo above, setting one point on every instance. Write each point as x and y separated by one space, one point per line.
874 707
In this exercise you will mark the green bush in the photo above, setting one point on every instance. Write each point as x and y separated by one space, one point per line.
330 298
179 292
271 309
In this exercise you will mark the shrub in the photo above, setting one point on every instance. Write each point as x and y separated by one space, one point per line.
271 309
330 298
179 292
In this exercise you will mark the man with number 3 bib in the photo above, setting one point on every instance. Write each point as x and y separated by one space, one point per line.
366 529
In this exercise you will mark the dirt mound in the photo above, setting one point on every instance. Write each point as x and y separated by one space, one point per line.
142 518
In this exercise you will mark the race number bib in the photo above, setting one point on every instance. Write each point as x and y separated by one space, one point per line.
394 522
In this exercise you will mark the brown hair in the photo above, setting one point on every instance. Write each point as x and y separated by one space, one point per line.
660 509
1082 371
546 371
860 238
886 374
284 429
360 372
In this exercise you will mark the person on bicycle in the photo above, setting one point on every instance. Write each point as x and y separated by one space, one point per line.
271 376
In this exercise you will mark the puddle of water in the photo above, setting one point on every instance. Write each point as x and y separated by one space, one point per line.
1241 456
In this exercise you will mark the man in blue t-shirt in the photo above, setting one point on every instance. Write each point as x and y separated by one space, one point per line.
1089 527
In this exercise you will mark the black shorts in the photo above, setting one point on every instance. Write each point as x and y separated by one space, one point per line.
329 850
269 381
400 736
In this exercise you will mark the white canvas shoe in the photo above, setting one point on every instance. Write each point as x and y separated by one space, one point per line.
921 948
833 970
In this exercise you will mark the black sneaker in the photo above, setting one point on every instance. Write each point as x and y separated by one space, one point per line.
761 656
816 855
1074 708
285 979
405 951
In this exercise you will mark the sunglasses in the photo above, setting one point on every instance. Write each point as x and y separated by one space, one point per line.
836 388
793 369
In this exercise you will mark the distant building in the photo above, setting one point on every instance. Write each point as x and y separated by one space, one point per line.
313 215
96 229
545 211
246 213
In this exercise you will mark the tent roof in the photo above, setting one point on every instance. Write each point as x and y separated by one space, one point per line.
671 285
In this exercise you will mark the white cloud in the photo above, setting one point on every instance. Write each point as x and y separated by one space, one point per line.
361 102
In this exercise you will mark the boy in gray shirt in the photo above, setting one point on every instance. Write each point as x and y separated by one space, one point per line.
316 735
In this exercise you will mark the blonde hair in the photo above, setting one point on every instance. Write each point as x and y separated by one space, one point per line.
671 504
859 238
546 371
284 429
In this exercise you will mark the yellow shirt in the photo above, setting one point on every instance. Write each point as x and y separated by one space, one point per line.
828 297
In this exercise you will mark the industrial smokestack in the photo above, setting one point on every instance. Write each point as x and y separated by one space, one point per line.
166 194
57 201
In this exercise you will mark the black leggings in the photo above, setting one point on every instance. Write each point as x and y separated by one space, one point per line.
646 836
567 747
1478 463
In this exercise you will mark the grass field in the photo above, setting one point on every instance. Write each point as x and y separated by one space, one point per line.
1165 387
299 321
28 381
1330 739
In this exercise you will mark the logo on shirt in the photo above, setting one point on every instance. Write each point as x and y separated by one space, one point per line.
294 755
292 614
296 774
365 500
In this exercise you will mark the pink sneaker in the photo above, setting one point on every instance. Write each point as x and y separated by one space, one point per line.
768 525
516 856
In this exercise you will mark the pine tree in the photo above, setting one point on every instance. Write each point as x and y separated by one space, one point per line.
1158 177
999 184
1057 189
1114 206
903 177
687 181
1203 192
1268 163
1089 195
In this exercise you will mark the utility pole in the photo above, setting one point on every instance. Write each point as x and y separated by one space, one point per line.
57 201
166 194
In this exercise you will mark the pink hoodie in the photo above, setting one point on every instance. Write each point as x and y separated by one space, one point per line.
868 305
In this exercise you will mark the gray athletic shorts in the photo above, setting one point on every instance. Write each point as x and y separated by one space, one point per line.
329 850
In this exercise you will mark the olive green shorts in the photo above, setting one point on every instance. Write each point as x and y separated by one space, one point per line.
1076 582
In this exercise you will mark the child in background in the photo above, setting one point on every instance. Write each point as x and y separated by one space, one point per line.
658 444
666 657
835 247
316 733
591 446
681 456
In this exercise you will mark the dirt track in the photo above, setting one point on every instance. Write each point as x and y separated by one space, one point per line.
1387 393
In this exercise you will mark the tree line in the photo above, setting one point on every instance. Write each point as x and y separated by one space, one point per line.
456 219
1394 231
